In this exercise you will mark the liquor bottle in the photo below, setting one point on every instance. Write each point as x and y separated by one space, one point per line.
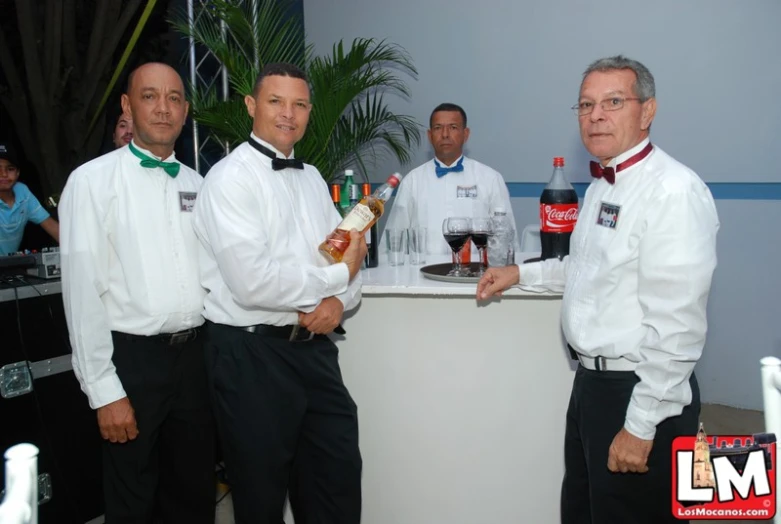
558 213
362 217
372 242
336 198
348 182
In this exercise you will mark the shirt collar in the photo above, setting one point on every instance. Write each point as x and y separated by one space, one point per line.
629 153
19 197
441 163
148 153
279 154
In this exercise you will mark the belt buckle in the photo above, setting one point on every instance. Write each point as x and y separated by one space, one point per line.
180 338
294 334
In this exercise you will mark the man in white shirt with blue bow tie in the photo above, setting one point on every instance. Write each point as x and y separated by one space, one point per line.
449 185
635 286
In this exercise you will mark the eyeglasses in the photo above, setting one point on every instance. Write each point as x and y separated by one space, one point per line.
609 104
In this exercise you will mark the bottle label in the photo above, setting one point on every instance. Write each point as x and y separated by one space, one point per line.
558 218
359 218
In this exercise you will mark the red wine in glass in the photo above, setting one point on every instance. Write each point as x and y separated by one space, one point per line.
456 242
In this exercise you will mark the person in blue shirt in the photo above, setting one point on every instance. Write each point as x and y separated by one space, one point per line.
18 205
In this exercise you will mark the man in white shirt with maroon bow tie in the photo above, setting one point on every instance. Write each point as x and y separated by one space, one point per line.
635 288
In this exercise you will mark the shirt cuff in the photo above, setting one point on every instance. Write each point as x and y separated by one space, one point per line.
639 424
337 278
530 274
104 391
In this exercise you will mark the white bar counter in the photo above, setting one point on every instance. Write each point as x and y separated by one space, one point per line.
461 404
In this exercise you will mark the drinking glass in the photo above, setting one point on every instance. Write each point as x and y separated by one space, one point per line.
481 230
456 232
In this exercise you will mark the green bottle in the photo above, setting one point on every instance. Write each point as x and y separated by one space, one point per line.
348 182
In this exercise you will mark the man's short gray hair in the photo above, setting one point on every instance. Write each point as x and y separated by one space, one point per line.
644 87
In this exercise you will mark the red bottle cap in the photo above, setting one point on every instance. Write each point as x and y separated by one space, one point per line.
558 161
367 189
394 180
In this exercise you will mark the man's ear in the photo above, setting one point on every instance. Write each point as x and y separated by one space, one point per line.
125 103
249 101
649 111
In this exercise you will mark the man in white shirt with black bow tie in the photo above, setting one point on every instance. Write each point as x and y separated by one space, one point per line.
449 185
635 286
286 420
133 304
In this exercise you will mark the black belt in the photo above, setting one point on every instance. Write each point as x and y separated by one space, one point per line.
293 333
171 339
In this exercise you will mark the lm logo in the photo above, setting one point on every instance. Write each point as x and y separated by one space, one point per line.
724 478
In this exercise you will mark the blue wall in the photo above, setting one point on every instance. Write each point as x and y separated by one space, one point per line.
516 68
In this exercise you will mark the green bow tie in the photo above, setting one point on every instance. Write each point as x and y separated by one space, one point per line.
172 168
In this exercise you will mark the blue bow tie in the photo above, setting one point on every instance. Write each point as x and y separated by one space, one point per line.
442 171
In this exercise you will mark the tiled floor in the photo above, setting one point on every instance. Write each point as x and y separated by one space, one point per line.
717 420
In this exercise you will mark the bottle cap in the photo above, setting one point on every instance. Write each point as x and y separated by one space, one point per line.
367 189
394 180
336 192
558 161
348 172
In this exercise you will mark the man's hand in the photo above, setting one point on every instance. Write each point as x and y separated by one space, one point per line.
356 253
324 318
496 279
629 453
117 421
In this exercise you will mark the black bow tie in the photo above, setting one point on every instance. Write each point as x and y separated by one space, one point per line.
277 164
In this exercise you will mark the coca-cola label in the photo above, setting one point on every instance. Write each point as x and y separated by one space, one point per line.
558 218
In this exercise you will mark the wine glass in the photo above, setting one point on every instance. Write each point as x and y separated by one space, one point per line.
456 232
481 230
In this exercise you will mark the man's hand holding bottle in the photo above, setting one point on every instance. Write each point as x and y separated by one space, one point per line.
355 253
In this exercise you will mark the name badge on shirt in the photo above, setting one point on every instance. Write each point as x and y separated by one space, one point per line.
466 192
187 201
608 215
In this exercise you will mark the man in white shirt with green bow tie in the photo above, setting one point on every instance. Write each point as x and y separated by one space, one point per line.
133 303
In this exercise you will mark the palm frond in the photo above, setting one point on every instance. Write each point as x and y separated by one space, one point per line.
350 121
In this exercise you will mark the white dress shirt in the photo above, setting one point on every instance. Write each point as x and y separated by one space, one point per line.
129 260
423 199
260 230
636 285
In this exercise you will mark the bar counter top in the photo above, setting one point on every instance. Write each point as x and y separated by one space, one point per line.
408 280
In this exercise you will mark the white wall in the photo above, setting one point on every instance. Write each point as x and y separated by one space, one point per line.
515 66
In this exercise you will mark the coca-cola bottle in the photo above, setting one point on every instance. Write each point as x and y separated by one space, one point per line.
558 213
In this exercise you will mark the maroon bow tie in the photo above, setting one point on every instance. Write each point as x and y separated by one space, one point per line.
609 174
597 171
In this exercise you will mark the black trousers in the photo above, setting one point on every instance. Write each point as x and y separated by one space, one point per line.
287 425
167 474
591 494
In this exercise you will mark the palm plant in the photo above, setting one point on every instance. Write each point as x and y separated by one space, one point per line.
350 121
